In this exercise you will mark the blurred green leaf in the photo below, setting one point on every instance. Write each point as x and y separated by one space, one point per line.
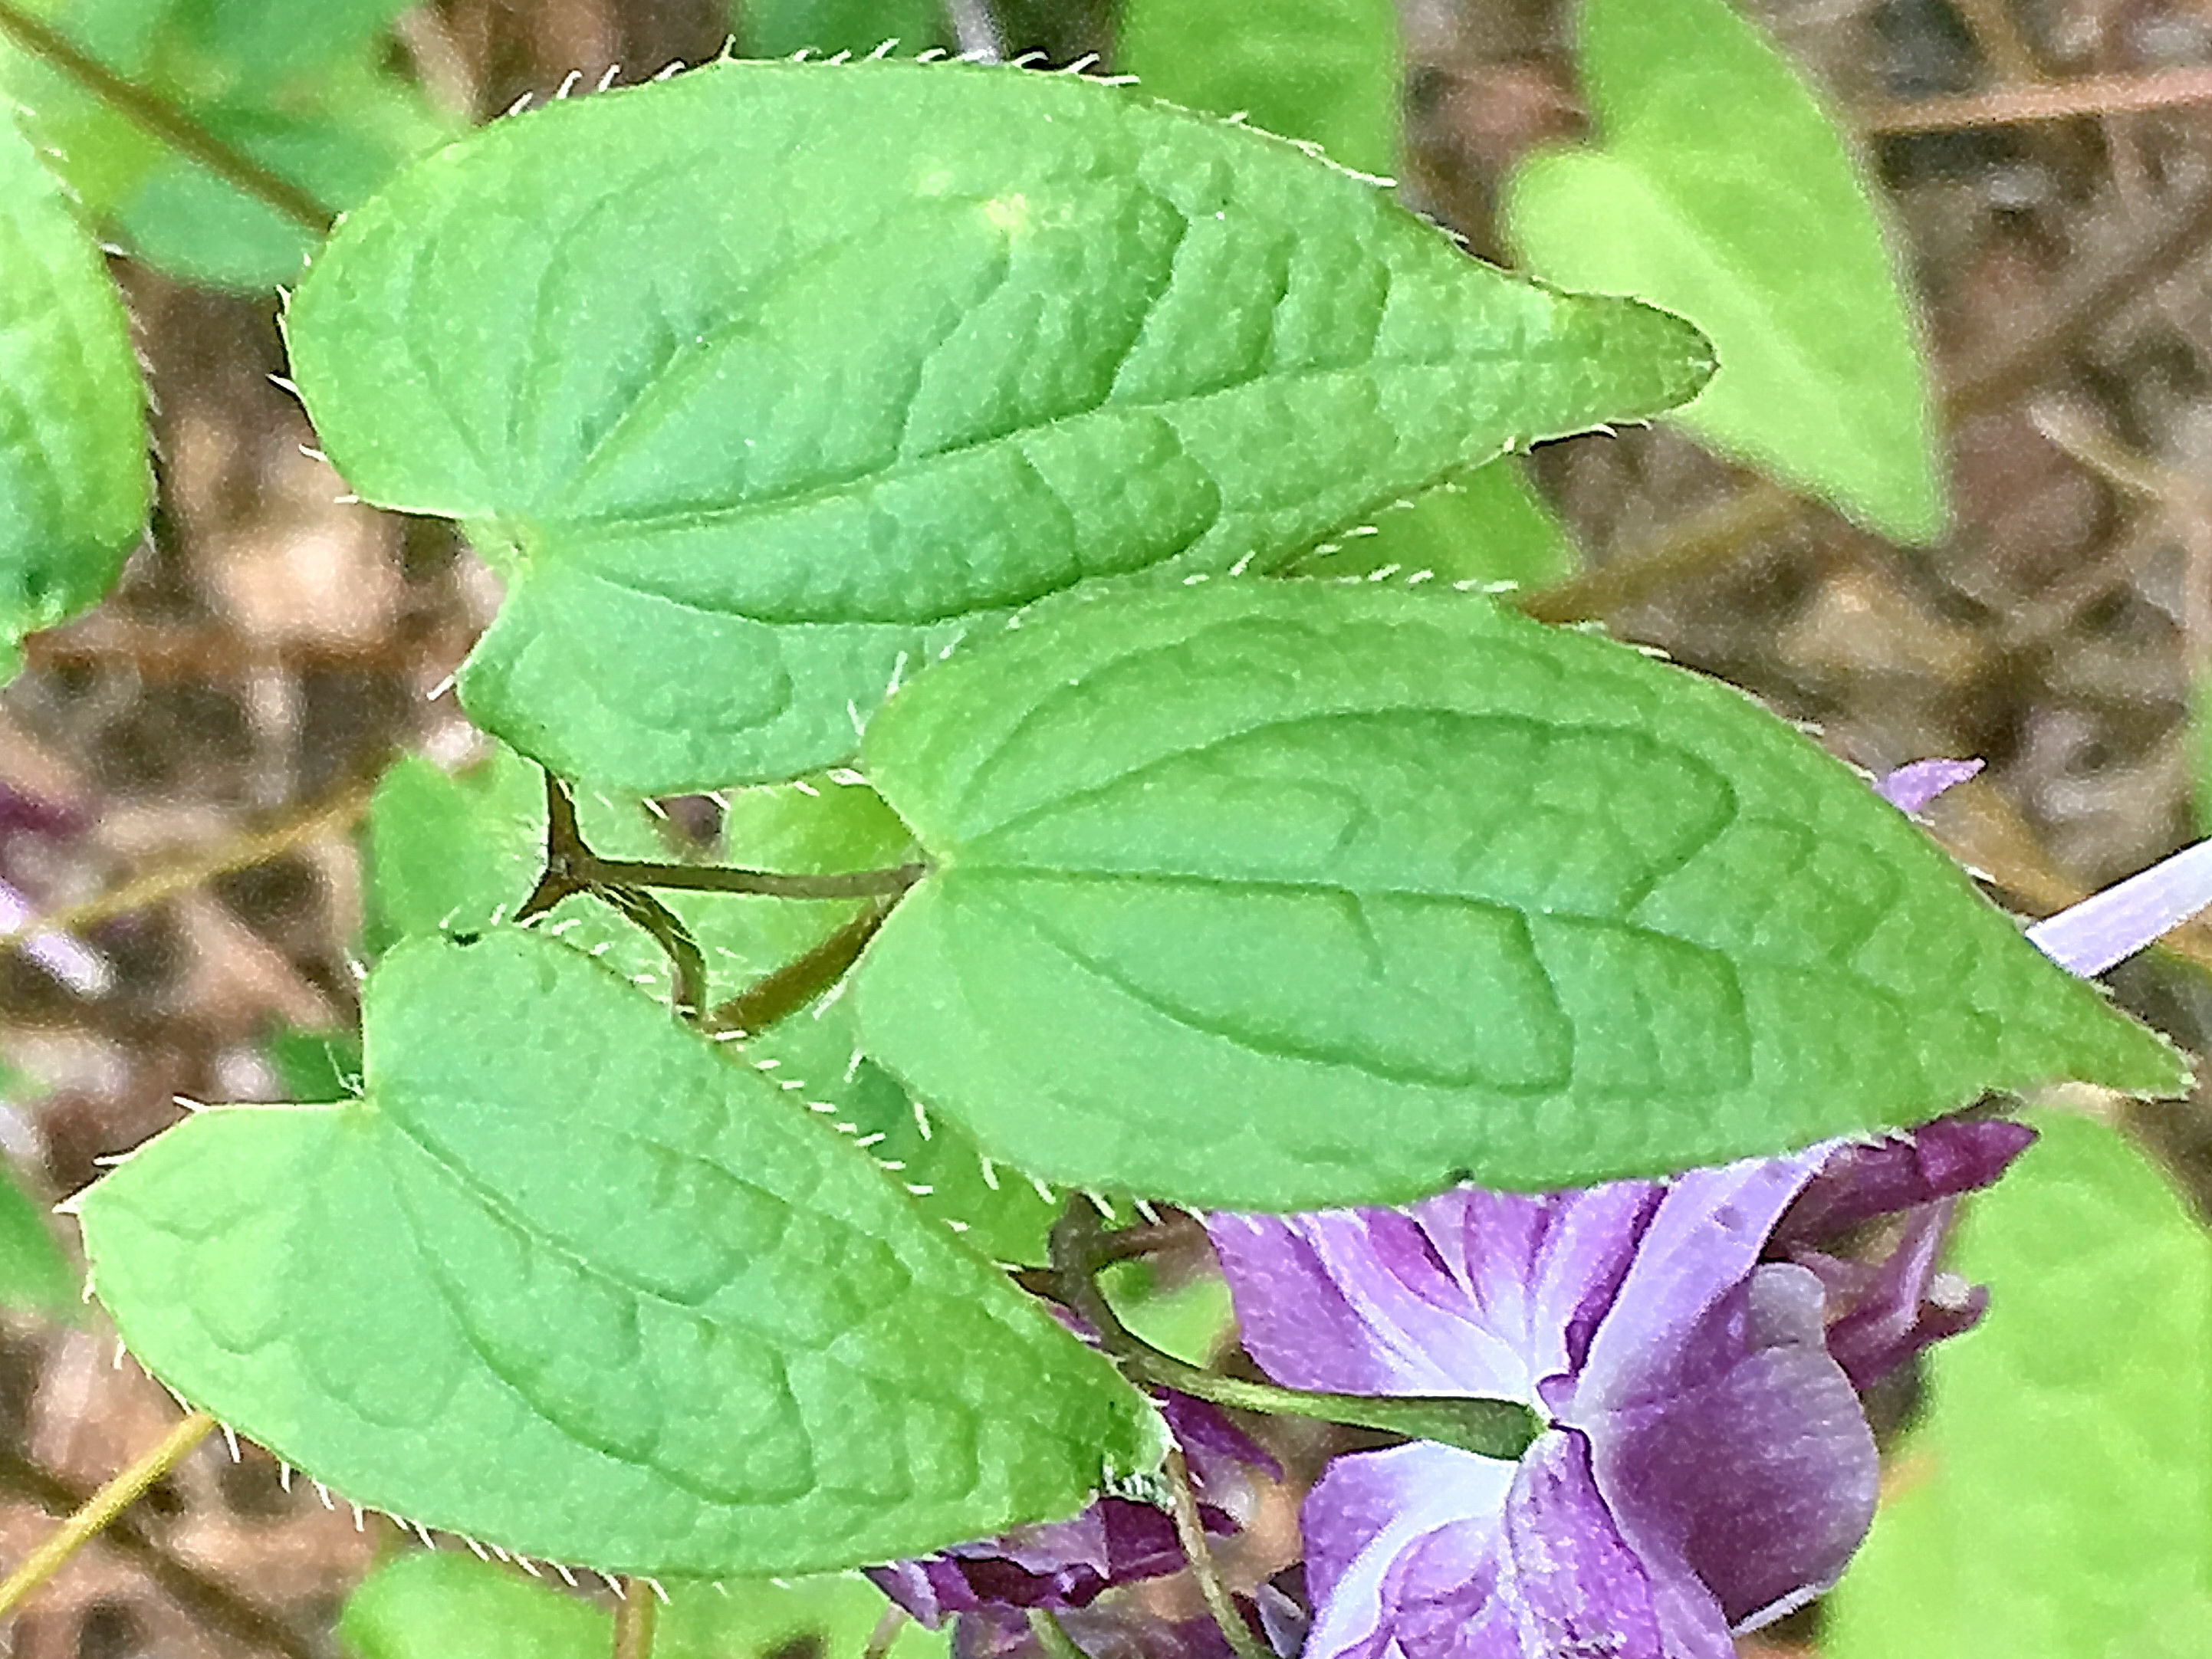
300 89
777 29
568 1281
1490 527
1286 894
73 473
2056 1499
1726 192
1011 334
34 1275
1325 71
425 1605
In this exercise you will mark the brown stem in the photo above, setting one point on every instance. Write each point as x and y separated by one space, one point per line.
165 120
635 1617
2092 97
798 983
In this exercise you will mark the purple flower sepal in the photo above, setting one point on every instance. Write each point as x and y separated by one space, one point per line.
1707 1467
1067 1564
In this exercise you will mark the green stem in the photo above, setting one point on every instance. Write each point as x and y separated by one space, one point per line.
165 120
110 1501
886 1632
1503 1429
1190 1532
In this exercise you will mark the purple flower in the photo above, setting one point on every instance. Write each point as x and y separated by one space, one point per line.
1708 1467
1065 1565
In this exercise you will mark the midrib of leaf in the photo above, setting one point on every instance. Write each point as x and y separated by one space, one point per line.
1809 378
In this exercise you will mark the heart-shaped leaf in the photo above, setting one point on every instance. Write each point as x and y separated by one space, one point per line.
754 423
1286 894
1724 191
567 1280
2096 1353
73 477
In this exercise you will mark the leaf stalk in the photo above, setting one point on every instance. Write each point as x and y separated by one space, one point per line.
1503 1429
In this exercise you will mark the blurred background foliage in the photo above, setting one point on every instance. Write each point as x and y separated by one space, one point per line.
186 773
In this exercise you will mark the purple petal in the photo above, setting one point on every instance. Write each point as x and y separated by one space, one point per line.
1218 1451
1911 788
1702 1243
2110 927
1757 1483
1469 1292
1880 1315
1862 1183
74 963
1061 1565
1574 1584
1370 1515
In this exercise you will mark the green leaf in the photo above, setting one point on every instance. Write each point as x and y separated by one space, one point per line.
425 1605
34 1275
1726 192
458 855
568 1281
1326 71
816 1057
1489 528
1013 333
316 1066
300 88
1288 895
73 475
777 29
2056 1499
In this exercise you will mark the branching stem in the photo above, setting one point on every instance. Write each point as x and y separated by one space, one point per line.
164 119
110 1501
572 866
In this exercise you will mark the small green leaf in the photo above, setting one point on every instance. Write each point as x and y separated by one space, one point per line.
426 1606
316 1066
1326 71
567 1280
1491 527
1726 192
777 29
458 855
73 475
1013 333
34 1275
2055 1499
1288 895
